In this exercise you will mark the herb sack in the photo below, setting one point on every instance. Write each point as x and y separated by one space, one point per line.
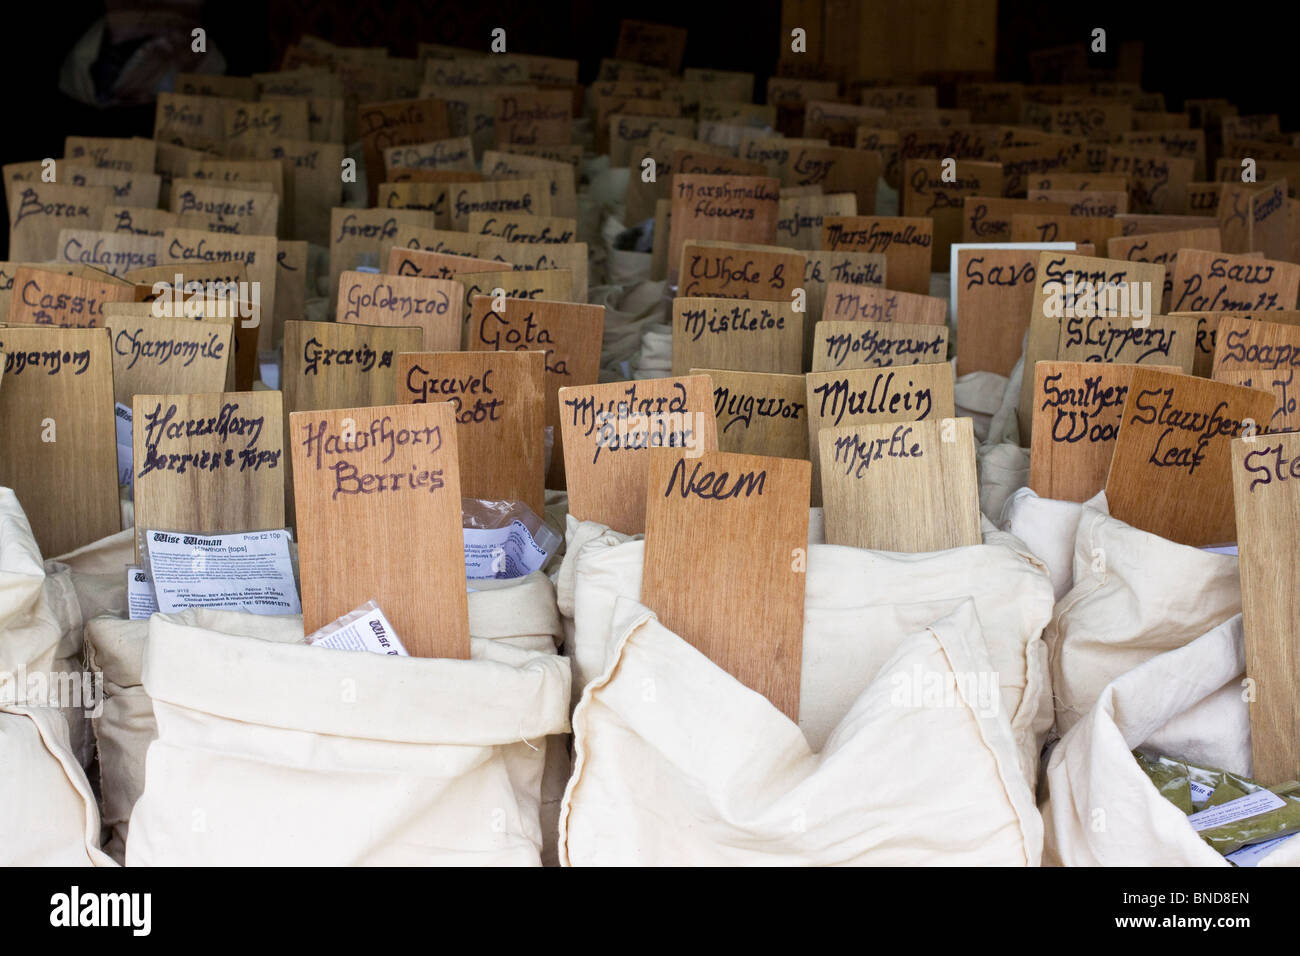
273 752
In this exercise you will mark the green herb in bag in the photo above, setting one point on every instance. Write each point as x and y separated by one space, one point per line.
1169 777
1252 818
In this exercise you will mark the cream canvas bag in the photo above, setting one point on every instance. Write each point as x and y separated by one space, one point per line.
678 764
273 752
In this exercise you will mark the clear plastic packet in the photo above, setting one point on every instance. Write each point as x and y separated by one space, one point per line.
1169 777
365 629
504 539
1229 812
1263 815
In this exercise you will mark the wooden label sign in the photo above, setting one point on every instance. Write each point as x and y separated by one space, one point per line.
993 292
513 197
218 300
128 155
204 206
858 344
44 297
759 411
630 135
560 176
208 463
568 256
454 153
734 208
328 364
847 302
905 243
567 334
1072 286
1282 383
313 186
1077 409
699 512
407 261
929 193
801 218
1163 247
165 356
1085 203
56 416
385 482
113 252
1083 182
867 471
435 305
129 189
535 118
1169 474
837 170
988 219
39 211
281 117
447 241
744 334
1161 340
837 122
1245 343
553 284
396 123
866 396
1061 228
608 431
732 272
528 230
651 44
1267 507
356 236
499 412
257 254
128 220
1156 183
1218 282
821 268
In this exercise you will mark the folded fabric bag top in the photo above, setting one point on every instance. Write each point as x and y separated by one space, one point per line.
677 763
270 751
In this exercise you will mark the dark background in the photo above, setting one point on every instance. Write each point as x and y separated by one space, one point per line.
1247 57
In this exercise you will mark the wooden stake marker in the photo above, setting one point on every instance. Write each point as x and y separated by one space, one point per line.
739 273
743 334
700 513
1066 288
1169 474
156 356
1268 511
759 411
608 430
56 419
1077 410
208 463
499 411
872 396
568 334
435 305
846 345
906 243
379 518
857 303
870 471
